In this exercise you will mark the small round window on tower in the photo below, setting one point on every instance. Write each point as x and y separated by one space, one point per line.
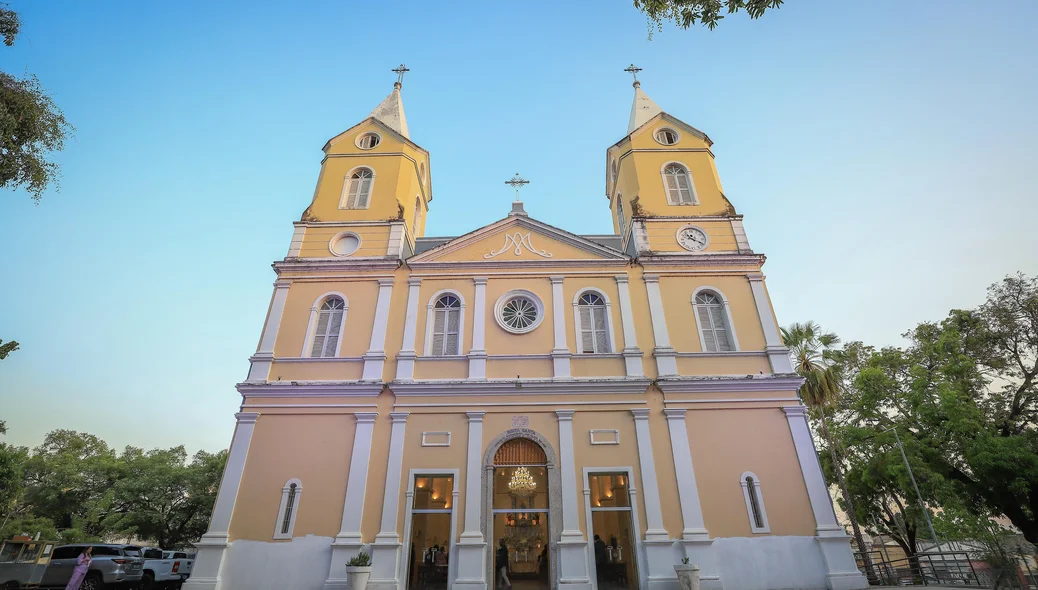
345 244
368 141
666 136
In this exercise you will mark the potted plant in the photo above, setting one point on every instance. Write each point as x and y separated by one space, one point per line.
688 575
358 570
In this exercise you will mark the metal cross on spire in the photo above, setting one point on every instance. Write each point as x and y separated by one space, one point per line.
517 182
633 70
400 71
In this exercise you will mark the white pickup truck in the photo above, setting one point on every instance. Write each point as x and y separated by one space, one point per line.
165 569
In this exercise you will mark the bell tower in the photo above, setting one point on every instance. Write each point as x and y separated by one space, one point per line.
374 188
661 178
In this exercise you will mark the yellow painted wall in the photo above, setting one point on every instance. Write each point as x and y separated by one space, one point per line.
339 370
681 320
418 457
314 449
433 288
440 369
498 240
302 296
376 488
524 368
623 455
720 364
374 240
604 286
758 441
662 235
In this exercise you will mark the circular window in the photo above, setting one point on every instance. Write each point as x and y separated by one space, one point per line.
344 244
519 312
667 136
368 141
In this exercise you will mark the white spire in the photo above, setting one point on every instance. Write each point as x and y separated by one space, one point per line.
643 108
391 112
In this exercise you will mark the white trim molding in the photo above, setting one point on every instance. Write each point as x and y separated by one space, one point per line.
260 363
574 568
406 357
691 184
666 360
471 552
613 439
375 357
754 496
430 321
634 552
632 354
778 354
434 433
344 196
529 295
287 512
729 323
478 354
560 354
578 326
385 551
298 231
731 384
311 325
412 475
335 239
348 542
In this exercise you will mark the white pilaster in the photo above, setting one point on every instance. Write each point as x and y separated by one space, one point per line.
778 354
405 359
832 539
560 355
741 242
573 559
259 368
395 248
375 357
206 572
666 357
297 239
694 536
632 354
385 551
348 542
472 547
478 354
659 550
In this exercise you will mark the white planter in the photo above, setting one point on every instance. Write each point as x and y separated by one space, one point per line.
357 577
688 576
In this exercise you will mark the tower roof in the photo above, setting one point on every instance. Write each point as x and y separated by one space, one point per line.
643 109
391 112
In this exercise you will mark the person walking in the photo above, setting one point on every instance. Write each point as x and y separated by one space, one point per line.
82 566
502 565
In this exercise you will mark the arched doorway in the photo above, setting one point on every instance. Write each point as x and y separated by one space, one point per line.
521 507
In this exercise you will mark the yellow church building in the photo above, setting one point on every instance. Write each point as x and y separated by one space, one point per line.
587 410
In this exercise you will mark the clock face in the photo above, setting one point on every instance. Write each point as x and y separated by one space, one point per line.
692 238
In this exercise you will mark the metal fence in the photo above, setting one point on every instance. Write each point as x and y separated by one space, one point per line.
950 568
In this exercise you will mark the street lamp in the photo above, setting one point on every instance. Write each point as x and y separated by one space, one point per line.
926 511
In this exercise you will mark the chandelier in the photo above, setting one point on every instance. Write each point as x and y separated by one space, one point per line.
522 483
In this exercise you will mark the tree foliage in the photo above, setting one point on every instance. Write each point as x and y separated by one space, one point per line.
31 125
686 13
76 487
963 397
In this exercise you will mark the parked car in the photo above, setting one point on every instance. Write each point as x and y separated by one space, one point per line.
112 566
164 569
23 561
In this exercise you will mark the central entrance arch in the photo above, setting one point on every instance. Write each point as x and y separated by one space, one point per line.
522 505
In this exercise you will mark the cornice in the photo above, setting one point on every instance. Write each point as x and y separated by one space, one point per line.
731 384
309 389
333 264
701 259
519 387
473 265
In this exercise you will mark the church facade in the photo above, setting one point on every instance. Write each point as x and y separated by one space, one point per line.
584 410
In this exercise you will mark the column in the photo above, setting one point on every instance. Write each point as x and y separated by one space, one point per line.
659 550
375 358
666 358
560 355
573 556
694 537
478 354
259 368
385 551
472 547
841 569
206 573
405 360
348 542
778 354
632 354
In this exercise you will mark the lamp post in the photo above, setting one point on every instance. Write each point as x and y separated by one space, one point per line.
926 511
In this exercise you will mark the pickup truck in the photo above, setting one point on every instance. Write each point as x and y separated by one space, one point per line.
165 569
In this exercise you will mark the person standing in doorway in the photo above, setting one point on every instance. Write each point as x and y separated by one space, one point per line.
502 566
82 567
600 556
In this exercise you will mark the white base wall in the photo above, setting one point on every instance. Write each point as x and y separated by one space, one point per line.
300 564
771 563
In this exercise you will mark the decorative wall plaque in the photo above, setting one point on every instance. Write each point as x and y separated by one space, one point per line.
520 421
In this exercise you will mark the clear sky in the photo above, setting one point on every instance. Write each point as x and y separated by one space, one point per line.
882 152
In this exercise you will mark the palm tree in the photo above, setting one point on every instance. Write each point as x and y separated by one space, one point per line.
813 354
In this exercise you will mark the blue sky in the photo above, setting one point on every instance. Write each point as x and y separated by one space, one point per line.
882 152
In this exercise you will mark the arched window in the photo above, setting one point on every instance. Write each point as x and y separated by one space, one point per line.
715 331
446 318
358 188
754 503
592 323
417 222
679 185
286 521
620 217
327 329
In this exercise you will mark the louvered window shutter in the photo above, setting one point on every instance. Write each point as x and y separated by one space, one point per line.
363 192
717 316
587 330
453 318
438 338
684 193
601 335
351 198
319 334
709 343
331 341
672 187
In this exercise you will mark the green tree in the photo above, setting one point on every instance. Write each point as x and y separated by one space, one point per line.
686 13
814 354
31 125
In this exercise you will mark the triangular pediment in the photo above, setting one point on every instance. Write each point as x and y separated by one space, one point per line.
518 239
670 119
382 127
